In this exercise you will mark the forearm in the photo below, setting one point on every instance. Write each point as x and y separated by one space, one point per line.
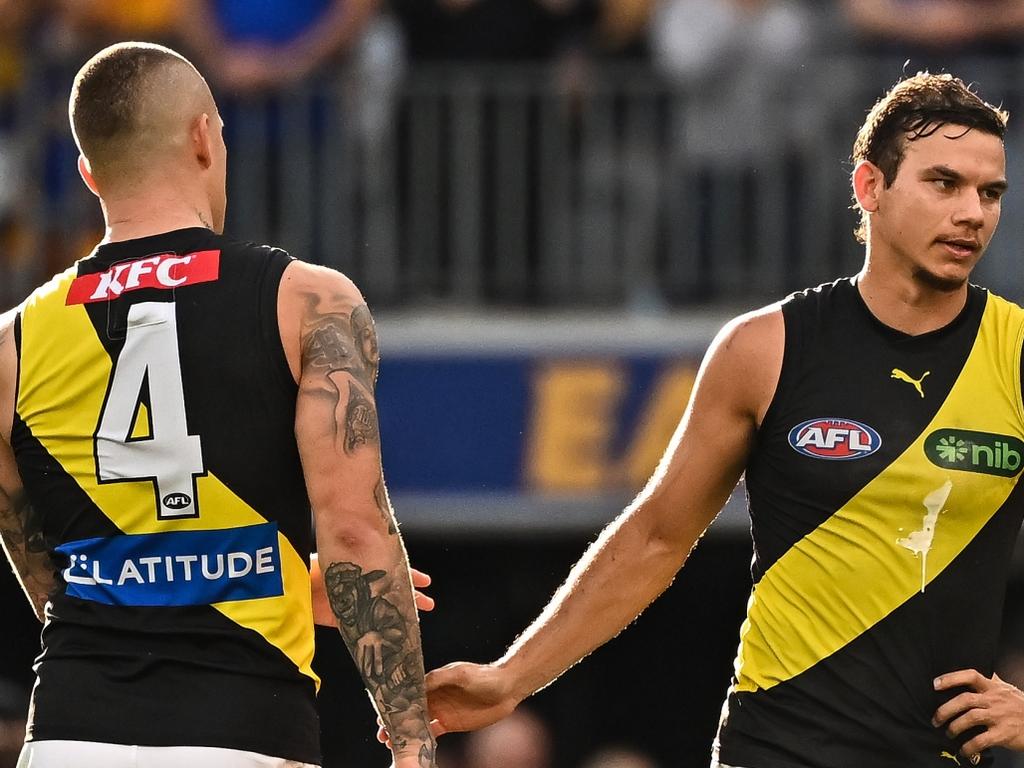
366 574
615 580
26 551
365 569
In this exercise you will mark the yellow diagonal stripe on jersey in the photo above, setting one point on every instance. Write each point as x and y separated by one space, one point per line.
64 397
815 599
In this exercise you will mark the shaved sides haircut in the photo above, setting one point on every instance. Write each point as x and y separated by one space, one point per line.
112 101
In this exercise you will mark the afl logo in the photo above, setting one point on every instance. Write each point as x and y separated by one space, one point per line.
177 500
835 439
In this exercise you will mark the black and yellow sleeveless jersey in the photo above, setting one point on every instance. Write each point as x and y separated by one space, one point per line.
154 432
884 502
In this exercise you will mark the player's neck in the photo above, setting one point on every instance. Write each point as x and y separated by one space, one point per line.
152 212
908 304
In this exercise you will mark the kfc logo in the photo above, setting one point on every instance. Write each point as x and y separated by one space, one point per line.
164 272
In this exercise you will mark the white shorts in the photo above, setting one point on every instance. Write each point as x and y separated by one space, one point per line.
92 754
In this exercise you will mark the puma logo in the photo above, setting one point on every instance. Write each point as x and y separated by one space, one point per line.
906 377
975 759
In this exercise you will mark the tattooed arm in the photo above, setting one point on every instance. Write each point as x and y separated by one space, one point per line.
24 546
22 543
332 346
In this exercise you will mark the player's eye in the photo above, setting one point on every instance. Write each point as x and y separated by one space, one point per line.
944 185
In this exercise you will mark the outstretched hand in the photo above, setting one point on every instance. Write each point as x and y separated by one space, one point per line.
324 616
992 704
465 697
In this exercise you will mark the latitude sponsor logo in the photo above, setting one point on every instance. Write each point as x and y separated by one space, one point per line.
165 272
987 453
834 439
175 568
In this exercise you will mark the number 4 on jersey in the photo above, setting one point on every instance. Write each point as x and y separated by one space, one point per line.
168 456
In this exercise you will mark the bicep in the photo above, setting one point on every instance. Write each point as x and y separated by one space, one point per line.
710 448
336 424
338 438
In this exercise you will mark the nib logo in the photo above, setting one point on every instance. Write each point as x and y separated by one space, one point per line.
970 451
951 449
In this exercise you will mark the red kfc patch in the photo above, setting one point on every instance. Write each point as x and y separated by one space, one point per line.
164 272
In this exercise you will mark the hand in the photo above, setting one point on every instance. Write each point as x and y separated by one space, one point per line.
992 704
465 697
324 616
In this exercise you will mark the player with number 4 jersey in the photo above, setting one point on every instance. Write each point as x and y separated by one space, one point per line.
153 431
173 409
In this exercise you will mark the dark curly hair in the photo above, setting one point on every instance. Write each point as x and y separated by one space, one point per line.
915 108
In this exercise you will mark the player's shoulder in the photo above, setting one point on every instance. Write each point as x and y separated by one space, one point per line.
762 331
751 332
312 281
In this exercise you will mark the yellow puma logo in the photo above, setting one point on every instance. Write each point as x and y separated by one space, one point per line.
915 383
954 758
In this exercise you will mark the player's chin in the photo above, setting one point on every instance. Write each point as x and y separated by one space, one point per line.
949 278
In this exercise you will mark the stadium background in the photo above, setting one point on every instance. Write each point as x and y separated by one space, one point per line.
551 206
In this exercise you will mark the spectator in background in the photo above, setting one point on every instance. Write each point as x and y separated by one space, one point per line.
934 31
100 22
519 741
17 268
739 66
619 757
492 30
732 56
269 45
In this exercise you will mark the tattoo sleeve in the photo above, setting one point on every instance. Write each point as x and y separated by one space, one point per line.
340 361
368 583
384 641
26 550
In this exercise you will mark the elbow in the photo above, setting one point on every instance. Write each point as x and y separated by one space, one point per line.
348 533
664 542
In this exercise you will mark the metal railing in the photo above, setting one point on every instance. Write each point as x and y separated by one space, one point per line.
504 186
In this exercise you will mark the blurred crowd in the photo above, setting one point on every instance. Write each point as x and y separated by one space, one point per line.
721 50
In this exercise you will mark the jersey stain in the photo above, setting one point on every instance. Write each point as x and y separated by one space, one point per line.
920 542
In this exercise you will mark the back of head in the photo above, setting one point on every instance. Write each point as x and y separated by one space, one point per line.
131 105
914 108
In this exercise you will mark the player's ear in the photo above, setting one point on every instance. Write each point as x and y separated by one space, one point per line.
868 183
85 171
202 140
